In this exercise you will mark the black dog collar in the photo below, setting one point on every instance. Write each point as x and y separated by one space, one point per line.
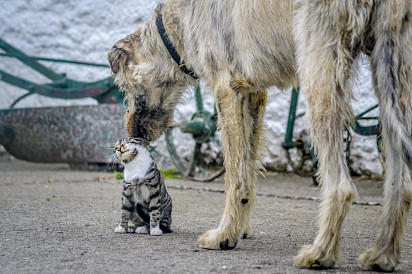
170 48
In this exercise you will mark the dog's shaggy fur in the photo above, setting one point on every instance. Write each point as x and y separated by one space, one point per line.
240 48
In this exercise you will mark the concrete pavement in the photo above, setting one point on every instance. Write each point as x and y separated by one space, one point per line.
54 220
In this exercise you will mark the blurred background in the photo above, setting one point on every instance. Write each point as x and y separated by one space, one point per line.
86 30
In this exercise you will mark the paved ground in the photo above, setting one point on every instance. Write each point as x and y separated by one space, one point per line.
53 220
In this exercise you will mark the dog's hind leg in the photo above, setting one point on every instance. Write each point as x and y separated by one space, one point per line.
391 61
240 118
325 59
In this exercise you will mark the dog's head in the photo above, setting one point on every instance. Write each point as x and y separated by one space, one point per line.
151 80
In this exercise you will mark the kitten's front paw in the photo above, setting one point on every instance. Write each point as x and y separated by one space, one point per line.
120 229
130 230
142 230
156 231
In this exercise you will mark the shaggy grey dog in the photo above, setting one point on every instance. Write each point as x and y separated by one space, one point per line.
240 48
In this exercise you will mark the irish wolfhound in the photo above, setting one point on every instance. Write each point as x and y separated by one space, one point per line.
240 48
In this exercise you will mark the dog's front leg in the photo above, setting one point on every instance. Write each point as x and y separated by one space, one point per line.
240 119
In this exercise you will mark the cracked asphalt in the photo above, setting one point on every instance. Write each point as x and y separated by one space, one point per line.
55 220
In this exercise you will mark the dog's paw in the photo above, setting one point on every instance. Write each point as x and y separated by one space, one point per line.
312 257
141 230
120 229
156 231
247 233
371 261
213 240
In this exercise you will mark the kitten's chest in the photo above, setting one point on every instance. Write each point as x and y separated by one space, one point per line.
141 193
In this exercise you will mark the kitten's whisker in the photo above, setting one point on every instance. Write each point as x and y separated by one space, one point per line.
113 158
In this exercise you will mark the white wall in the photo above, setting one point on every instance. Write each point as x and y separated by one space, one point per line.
85 30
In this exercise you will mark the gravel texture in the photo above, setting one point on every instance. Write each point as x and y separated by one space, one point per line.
54 220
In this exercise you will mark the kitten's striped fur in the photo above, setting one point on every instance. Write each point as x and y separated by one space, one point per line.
145 202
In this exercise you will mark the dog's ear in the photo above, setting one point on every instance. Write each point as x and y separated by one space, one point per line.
159 8
118 56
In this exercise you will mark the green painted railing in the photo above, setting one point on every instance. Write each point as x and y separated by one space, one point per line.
104 91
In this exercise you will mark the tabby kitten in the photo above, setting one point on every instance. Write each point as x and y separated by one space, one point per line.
145 202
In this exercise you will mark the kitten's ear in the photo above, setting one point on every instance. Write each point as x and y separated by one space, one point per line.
139 140
145 142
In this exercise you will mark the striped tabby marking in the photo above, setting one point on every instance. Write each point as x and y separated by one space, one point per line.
146 205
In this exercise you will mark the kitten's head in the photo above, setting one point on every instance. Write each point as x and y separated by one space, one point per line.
128 149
